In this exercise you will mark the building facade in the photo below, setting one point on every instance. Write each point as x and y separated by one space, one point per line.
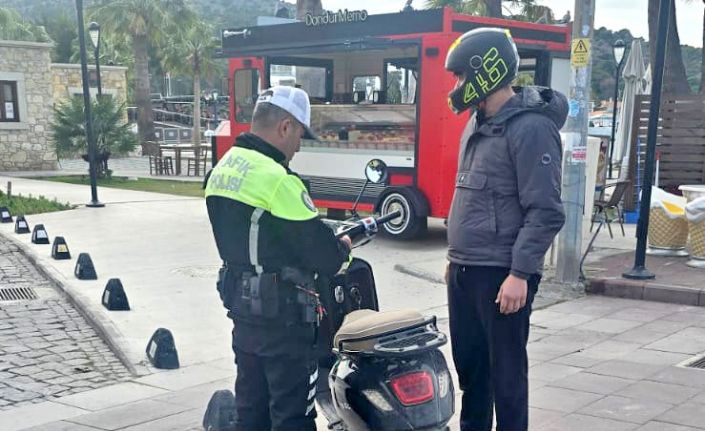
30 88
66 81
26 103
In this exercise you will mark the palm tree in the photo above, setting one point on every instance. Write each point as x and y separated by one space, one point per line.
491 8
14 27
675 80
143 22
190 52
303 7
529 11
113 134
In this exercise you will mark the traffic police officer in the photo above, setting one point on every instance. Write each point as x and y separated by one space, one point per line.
273 247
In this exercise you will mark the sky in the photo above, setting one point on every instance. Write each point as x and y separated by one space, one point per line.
613 14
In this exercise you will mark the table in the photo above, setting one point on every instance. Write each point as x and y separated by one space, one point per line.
177 149
692 191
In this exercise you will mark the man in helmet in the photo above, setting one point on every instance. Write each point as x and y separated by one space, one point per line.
505 213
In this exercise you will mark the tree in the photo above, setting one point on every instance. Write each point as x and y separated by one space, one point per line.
143 22
112 133
675 80
304 7
61 27
532 12
491 8
14 27
190 52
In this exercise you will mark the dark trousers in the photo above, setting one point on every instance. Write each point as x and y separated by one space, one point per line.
489 349
275 393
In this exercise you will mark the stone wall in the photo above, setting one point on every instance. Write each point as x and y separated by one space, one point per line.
27 145
66 81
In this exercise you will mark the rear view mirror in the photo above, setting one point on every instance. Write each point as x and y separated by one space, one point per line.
376 171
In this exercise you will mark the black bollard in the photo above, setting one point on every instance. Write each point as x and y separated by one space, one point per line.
161 350
40 235
84 268
21 225
5 216
59 249
114 297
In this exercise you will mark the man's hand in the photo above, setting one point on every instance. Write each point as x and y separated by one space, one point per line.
512 295
346 239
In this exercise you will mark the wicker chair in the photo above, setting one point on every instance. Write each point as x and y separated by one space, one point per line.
695 212
668 227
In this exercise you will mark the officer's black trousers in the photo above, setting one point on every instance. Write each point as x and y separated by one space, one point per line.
489 349
275 393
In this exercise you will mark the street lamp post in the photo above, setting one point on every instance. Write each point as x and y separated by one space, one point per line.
94 203
618 49
215 109
639 271
94 32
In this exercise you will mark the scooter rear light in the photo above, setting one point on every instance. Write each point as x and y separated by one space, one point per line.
413 388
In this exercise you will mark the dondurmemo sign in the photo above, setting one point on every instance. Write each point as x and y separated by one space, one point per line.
340 17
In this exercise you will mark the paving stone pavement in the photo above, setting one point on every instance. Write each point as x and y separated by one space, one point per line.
47 350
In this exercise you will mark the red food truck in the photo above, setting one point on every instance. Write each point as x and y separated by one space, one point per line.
378 89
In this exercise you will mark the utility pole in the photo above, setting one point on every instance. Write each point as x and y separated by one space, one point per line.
575 149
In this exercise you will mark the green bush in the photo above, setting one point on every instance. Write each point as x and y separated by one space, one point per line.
28 205
112 133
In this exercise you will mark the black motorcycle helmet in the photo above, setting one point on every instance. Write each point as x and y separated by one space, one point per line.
487 59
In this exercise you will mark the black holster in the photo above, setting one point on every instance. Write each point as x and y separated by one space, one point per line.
306 297
287 296
259 294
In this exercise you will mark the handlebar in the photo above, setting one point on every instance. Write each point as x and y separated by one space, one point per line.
368 225
389 217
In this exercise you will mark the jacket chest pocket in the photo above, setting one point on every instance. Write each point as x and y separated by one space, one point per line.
474 204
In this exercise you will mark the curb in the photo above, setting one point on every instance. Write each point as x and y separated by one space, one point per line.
103 326
419 273
647 291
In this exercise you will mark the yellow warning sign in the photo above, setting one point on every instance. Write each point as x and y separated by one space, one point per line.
580 52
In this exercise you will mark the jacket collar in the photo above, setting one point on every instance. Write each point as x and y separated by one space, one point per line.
254 142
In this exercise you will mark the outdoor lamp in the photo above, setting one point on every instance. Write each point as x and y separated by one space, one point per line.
94 32
618 49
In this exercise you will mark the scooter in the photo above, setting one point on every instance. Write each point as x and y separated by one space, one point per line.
385 371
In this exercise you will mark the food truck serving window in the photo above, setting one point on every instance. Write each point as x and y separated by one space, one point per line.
247 87
310 74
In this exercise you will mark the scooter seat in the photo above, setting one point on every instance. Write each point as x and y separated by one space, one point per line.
368 323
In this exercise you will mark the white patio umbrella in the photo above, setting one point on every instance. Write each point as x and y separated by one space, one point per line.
634 73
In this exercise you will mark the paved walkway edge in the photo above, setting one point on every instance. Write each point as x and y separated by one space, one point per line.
646 290
103 326
420 273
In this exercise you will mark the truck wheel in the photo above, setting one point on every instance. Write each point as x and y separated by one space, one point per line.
409 225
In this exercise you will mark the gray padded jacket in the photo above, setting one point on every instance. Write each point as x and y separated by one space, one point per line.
507 204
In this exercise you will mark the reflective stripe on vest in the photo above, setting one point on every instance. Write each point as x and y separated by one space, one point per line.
254 179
